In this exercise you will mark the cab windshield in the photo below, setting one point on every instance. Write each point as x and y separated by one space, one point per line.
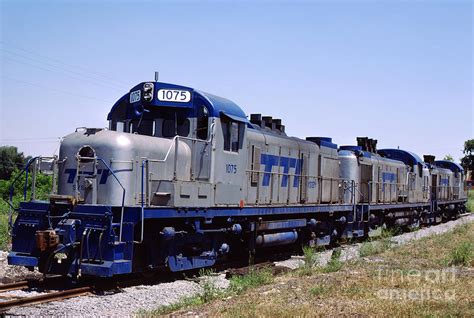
165 123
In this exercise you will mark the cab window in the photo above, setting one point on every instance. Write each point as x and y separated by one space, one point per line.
173 127
142 127
202 123
231 132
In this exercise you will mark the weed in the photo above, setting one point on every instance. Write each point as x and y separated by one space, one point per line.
305 271
336 253
334 263
239 284
206 272
209 292
309 256
309 261
391 231
318 290
375 247
462 255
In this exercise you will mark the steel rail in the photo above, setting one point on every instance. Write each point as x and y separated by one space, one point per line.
60 295
14 286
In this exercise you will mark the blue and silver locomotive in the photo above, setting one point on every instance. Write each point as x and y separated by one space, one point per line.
182 179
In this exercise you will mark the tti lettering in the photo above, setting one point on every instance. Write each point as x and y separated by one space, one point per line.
270 161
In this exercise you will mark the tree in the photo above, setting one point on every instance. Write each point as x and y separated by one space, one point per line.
10 159
12 163
448 158
467 162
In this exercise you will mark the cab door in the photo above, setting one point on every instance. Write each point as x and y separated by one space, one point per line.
201 147
230 161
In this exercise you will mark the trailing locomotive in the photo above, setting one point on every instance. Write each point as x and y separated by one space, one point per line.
182 179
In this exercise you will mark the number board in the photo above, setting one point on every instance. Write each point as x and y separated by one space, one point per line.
174 95
135 96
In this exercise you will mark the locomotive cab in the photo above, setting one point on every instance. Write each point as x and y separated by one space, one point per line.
201 121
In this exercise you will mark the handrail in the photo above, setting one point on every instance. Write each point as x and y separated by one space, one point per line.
320 179
142 203
398 187
353 189
123 194
173 141
10 212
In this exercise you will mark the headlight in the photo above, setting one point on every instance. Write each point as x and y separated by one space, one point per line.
148 91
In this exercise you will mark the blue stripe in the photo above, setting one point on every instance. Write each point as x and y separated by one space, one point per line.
388 176
271 160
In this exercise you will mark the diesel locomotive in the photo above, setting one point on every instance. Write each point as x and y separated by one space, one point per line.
182 179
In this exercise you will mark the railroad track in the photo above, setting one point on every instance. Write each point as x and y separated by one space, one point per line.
48 297
14 286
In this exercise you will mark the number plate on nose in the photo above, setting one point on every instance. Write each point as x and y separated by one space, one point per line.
174 95
135 96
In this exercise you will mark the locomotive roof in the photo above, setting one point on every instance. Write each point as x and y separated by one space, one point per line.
217 105
224 106
449 165
402 155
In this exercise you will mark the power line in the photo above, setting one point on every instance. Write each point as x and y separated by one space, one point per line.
55 89
29 142
97 74
63 72
30 139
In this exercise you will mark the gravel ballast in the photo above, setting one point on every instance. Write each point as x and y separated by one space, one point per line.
130 300
10 274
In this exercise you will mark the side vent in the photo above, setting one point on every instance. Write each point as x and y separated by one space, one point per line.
255 167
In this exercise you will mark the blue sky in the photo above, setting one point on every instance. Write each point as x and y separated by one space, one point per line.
396 71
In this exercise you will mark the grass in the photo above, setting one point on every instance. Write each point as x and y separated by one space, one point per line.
381 244
209 293
334 263
373 248
416 279
163 310
240 284
311 266
4 237
462 255
319 290
470 201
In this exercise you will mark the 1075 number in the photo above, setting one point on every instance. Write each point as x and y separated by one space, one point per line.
174 95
